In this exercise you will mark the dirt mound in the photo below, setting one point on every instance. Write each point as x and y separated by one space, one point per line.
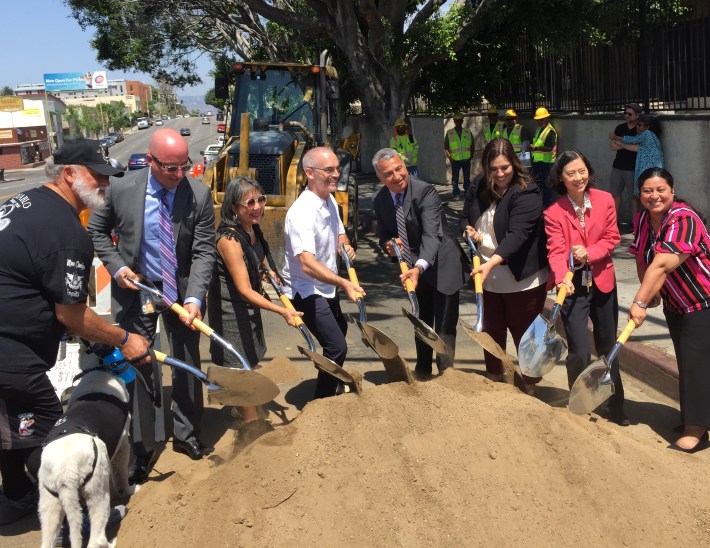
457 461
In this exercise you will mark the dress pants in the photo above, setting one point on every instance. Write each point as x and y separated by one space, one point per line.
603 310
326 321
441 312
691 341
147 422
541 174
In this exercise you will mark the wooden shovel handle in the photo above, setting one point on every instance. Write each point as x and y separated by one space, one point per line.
562 293
626 333
199 324
477 282
353 278
407 283
288 304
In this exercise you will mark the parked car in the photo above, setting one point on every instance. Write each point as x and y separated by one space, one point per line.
137 161
220 140
117 135
142 123
158 122
210 153
221 128
184 131
106 144
205 120
111 140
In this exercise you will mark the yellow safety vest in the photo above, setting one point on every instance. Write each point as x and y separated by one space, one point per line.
539 141
514 137
460 148
489 135
407 149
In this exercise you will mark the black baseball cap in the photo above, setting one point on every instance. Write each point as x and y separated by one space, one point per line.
86 152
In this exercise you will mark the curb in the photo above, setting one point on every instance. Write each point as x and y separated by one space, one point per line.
649 365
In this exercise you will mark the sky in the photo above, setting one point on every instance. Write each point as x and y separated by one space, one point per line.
42 37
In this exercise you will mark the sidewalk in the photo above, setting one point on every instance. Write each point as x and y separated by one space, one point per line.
648 355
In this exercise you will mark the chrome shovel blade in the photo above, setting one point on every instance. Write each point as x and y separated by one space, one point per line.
426 334
540 349
239 386
589 391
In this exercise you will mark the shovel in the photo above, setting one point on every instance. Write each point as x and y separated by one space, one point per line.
199 324
227 385
476 332
383 346
594 385
287 303
331 368
541 347
321 362
421 330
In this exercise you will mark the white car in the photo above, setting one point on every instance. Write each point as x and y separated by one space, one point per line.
210 153
220 140
142 123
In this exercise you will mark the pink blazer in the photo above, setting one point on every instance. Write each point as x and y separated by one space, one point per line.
600 237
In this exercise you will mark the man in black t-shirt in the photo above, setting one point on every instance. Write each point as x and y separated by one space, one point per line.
623 168
44 274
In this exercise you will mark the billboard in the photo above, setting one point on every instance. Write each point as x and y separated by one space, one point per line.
75 81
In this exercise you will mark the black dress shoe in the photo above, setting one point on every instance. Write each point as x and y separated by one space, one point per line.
190 447
141 468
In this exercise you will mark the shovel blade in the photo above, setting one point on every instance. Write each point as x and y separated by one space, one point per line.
588 391
540 348
240 387
383 346
327 366
426 334
489 345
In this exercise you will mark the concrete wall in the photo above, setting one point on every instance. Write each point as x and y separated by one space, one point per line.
685 141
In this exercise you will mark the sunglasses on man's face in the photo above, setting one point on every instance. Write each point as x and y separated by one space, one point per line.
251 202
173 169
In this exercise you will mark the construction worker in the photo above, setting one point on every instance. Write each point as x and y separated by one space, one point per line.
494 128
516 133
459 147
405 143
544 152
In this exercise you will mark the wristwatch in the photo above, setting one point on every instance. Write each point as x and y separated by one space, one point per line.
641 304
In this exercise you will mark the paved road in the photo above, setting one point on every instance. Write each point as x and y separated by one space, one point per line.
135 141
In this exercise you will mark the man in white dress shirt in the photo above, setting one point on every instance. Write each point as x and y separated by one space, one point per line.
314 233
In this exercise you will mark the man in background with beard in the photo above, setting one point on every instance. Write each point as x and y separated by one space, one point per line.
44 276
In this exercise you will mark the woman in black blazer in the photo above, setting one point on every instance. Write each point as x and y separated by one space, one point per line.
503 214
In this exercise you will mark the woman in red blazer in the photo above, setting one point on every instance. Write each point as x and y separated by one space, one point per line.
583 221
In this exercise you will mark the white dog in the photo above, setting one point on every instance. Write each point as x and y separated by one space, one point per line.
86 458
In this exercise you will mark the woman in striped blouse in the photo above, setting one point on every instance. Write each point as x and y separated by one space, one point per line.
672 251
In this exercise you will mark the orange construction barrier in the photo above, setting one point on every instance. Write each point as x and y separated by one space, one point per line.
193 171
200 168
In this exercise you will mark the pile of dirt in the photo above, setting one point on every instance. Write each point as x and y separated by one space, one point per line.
458 461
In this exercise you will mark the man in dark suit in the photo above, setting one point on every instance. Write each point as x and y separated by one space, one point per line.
439 268
135 206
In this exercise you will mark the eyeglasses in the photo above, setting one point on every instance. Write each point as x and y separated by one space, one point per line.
328 170
173 169
251 202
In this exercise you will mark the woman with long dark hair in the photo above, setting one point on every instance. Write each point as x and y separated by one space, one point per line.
672 249
503 212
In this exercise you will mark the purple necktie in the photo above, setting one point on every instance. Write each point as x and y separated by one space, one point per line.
402 228
168 259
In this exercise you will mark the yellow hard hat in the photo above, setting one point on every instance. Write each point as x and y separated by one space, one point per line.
492 110
400 122
541 113
510 113
458 116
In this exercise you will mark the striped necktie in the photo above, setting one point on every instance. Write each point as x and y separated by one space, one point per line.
402 228
168 259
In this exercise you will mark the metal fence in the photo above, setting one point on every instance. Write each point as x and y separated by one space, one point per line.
655 56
